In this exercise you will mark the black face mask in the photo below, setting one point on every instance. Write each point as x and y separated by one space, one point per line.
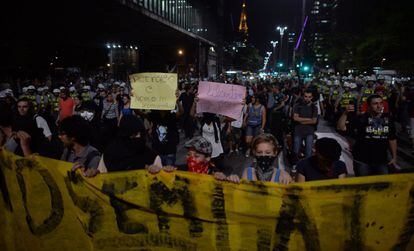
265 162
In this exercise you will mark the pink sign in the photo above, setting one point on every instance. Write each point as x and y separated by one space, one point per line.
219 98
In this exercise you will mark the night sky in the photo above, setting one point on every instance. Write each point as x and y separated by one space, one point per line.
264 15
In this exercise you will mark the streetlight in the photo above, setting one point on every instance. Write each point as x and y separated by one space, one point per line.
274 44
180 52
281 30
269 53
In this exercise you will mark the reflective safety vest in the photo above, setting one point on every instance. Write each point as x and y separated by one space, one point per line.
86 96
43 101
32 98
346 98
55 104
367 93
335 94
73 95
326 91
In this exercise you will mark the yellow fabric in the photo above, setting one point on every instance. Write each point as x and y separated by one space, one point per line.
154 91
42 207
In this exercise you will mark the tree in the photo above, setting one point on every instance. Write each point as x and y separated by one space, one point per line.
247 59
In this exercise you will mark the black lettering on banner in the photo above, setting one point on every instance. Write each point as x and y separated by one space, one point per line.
86 204
160 194
294 217
219 213
125 225
353 215
4 191
264 239
408 229
56 214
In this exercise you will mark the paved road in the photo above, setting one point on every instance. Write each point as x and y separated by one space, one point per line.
324 130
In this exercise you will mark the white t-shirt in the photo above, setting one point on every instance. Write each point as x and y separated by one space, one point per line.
42 124
208 134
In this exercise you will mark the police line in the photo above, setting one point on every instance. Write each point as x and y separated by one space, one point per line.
43 206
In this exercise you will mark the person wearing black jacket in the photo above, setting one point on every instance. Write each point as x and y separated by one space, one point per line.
164 136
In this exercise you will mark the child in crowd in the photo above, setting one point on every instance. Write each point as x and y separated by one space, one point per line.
265 167
198 159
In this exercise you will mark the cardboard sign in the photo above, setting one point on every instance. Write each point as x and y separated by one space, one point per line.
153 90
218 98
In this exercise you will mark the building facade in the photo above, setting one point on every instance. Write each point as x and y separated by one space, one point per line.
322 23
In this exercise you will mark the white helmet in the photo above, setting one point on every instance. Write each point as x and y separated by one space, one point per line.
72 89
56 91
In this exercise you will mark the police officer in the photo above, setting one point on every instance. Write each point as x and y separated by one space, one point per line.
31 95
54 104
345 98
85 93
42 99
72 92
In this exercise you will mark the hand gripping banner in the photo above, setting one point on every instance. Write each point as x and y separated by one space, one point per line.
44 206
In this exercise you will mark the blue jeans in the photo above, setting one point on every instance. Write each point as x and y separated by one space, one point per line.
168 160
364 169
297 142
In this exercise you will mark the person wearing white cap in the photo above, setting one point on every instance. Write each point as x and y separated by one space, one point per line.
32 97
54 103
73 92
345 98
42 99
86 94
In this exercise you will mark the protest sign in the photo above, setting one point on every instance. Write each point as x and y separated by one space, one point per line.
218 98
44 206
153 90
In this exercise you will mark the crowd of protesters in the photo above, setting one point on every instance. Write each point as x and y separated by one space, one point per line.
90 123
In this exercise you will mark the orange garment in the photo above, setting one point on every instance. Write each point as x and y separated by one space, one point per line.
66 108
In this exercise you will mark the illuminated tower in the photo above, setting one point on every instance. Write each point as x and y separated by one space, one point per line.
243 29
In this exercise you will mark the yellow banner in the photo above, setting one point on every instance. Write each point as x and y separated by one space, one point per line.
153 91
43 206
